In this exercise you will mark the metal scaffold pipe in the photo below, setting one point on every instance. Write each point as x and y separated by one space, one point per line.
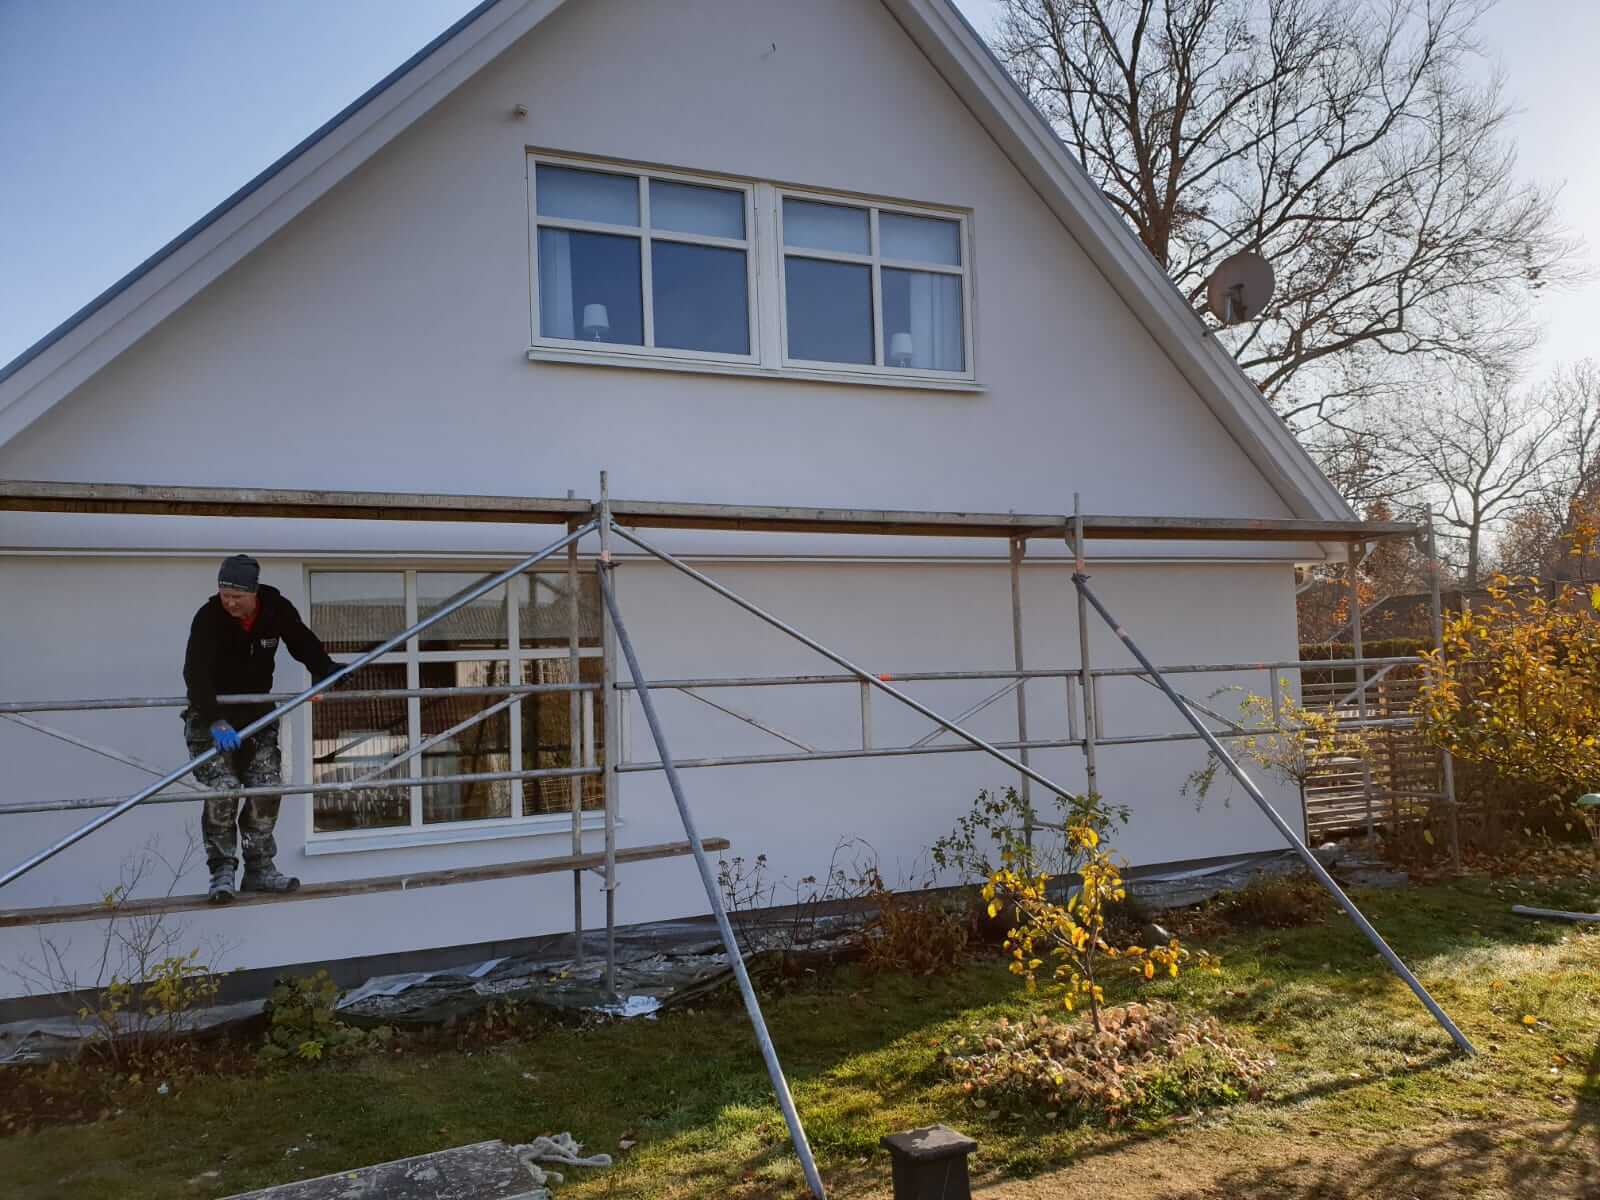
11 707
574 742
861 673
1081 581
769 1053
612 739
460 601
344 787
1087 681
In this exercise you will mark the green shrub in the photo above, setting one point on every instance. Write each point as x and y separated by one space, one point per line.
134 1017
994 834
304 1023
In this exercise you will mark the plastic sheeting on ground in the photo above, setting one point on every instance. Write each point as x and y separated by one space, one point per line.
670 962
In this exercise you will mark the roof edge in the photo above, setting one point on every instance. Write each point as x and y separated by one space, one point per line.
249 189
958 52
60 362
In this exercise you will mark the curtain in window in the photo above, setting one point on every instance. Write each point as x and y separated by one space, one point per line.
936 322
556 318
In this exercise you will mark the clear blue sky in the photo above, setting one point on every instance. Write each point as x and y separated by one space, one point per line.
124 120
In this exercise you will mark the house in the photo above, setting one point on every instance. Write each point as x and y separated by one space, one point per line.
736 251
1410 614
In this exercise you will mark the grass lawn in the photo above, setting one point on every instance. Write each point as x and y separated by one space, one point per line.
1367 1098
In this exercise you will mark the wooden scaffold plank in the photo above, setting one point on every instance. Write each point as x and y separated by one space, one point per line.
352 887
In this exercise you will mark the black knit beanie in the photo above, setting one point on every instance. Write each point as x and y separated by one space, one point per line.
240 573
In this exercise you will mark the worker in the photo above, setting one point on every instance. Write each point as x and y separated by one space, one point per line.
232 644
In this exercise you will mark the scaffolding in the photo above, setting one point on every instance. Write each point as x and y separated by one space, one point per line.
610 520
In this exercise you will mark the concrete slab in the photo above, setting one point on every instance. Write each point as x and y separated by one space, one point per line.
482 1171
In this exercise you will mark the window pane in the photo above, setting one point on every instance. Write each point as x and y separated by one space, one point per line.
481 625
587 195
589 287
825 227
348 739
546 737
354 611
544 618
484 746
700 298
920 239
922 324
686 208
829 310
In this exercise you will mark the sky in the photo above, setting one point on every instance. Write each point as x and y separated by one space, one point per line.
122 121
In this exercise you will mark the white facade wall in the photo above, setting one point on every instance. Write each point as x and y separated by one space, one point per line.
378 342
890 616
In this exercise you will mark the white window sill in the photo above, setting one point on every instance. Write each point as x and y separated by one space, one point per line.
645 362
445 835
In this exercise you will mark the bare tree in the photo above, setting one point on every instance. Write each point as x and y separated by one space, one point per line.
1348 141
1575 391
1355 452
1552 535
1486 454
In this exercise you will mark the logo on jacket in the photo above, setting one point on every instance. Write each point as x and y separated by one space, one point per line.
269 643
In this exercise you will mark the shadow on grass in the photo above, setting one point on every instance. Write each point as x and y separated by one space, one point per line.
1109 1143
1519 1158
1418 923
1335 966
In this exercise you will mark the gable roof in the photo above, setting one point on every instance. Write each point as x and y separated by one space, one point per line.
63 359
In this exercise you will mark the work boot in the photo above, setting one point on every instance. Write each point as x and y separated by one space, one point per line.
220 890
267 878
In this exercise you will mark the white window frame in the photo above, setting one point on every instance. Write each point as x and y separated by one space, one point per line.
515 655
875 263
765 286
646 236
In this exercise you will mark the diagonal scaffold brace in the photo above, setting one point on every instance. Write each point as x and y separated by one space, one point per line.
1081 582
769 1053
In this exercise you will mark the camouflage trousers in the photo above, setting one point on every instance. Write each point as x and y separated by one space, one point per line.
225 823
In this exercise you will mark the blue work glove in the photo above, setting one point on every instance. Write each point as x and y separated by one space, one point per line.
224 736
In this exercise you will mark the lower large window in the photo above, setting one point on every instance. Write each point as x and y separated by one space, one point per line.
515 632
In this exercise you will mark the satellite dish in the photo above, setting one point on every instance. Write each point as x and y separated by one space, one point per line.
1240 287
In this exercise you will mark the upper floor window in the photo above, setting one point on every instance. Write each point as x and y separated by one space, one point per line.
641 260
746 275
873 286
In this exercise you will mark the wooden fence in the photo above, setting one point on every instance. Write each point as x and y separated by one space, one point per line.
1403 785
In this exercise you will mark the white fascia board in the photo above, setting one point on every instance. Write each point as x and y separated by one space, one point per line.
201 257
971 69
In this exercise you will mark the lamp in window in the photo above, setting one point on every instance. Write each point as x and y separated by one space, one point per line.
900 350
596 321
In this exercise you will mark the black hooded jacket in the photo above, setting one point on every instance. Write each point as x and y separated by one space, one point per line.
223 659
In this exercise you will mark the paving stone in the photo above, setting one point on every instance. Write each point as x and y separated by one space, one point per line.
483 1171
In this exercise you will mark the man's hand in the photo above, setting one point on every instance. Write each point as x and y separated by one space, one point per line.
337 667
224 736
